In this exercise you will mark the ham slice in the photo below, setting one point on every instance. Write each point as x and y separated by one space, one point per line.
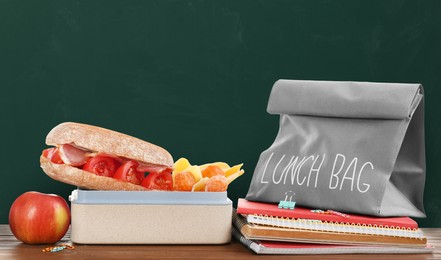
153 168
72 155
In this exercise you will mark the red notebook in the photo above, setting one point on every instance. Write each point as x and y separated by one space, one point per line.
259 208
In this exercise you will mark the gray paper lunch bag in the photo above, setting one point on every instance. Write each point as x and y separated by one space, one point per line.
355 147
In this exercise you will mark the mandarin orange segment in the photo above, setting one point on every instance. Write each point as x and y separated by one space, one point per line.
183 181
224 166
217 183
212 170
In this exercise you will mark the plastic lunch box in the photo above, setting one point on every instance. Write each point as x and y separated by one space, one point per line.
150 217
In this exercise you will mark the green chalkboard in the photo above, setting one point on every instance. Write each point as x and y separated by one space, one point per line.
195 76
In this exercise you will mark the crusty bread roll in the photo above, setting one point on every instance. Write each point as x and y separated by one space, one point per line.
104 140
97 139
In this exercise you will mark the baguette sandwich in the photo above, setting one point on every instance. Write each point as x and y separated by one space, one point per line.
92 157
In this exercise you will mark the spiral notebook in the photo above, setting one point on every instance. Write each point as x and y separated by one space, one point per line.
291 248
265 221
319 225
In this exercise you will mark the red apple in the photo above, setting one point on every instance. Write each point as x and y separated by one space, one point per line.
38 218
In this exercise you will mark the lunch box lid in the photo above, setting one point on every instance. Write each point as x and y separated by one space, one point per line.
79 196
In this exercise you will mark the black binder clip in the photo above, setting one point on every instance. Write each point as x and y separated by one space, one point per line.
285 204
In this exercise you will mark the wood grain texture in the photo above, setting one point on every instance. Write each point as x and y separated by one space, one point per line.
10 248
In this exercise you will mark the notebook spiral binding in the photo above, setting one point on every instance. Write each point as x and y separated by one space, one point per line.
319 225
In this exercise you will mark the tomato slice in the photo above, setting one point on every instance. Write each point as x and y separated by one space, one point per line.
102 165
53 154
48 152
128 172
159 181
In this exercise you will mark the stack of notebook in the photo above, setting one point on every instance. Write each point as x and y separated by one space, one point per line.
267 229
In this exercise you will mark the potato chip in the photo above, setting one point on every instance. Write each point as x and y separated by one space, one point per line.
180 165
200 185
233 169
233 176
196 171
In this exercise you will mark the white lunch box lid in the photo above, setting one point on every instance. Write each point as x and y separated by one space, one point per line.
79 196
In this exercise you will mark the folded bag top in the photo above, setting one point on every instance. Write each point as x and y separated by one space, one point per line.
351 146
344 99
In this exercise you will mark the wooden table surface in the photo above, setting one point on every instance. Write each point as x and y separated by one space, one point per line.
11 248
